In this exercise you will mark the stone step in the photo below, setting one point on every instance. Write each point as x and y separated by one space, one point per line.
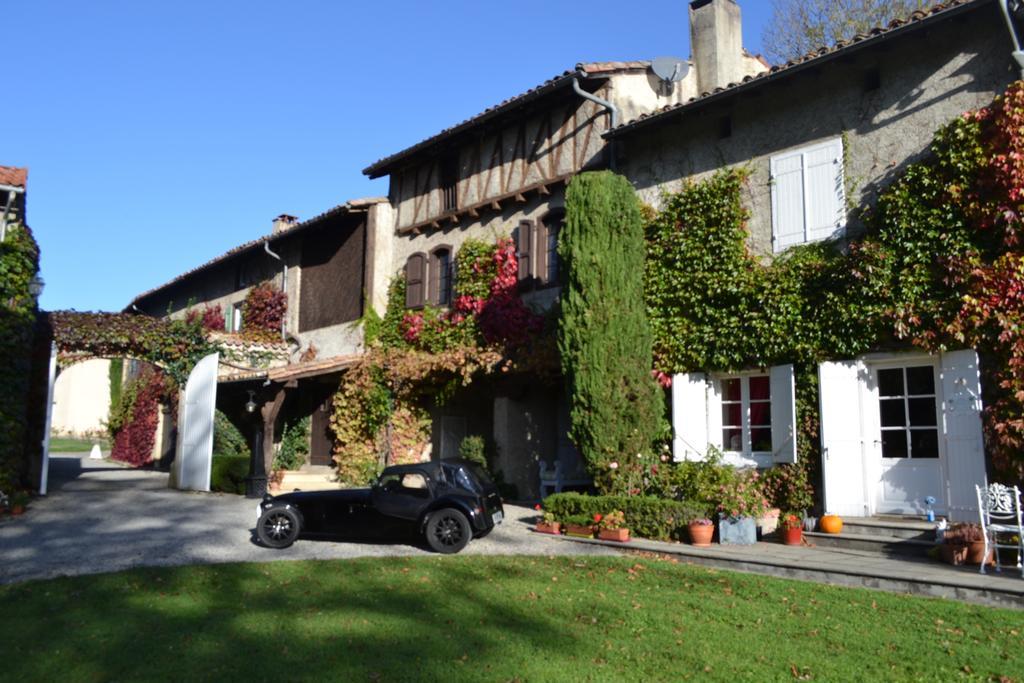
308 481
890 527
883 545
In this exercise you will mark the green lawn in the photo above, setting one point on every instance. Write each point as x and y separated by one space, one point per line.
490 619
59 444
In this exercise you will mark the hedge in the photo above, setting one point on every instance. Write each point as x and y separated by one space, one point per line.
646 516
228 473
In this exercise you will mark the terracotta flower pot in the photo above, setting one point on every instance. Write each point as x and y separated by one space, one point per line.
620 535
579 531
17 509
793 536
831 524
549 527
976 553
954 553
700 534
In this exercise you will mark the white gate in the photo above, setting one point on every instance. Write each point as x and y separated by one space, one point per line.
191 468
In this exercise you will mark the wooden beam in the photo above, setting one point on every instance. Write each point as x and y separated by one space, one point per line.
454 219
543 189
496 205
520 198
473 213
269 412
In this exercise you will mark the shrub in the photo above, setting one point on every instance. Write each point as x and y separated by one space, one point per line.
645 516
474 449
228 473
294 445
227 440
787 488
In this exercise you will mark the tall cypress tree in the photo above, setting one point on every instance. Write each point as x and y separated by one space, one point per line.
603 334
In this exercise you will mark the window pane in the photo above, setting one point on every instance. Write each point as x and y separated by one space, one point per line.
922 412
761 414
760 389
731 389
924 443
890 382
894 443
920 381
732 415
761 439
892 412
732 439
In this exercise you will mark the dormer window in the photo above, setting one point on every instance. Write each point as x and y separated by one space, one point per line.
448 181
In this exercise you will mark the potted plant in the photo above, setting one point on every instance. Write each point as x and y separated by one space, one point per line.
965 543
740 503
769 521
612 526
791 528
548 524
19 500
701 531
580 526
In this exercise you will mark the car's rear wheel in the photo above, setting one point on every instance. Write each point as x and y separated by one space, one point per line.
278 527
448 531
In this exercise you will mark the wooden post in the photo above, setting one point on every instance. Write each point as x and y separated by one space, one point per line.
270 411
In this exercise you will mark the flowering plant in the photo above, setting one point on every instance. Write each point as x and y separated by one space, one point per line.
742 497
549 517
701 521
613 520
964 533
790 520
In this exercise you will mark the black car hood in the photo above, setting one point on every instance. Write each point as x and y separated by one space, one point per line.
299 498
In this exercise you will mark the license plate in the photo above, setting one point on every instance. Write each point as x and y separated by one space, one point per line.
497 517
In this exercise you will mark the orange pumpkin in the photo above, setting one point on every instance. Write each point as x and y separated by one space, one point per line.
831 524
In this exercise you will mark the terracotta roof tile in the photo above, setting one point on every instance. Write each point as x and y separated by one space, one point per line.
10 175
915 19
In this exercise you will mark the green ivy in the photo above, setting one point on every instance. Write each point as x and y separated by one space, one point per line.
294 445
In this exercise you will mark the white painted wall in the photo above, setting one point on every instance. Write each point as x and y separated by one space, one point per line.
81 398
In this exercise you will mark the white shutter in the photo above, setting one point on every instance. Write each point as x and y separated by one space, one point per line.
842 437
783 390
825 197
191 467
787 201
689 417
715 414
961 422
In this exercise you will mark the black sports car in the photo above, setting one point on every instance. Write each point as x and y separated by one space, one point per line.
448 502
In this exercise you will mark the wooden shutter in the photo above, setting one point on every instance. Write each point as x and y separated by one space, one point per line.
689 417
524 234
540 238
783 393
842 438
961 425
434 278
825 198
787 201
414 267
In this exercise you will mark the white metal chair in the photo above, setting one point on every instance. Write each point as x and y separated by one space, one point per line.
999 506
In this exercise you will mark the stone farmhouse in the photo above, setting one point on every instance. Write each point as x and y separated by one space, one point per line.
821 135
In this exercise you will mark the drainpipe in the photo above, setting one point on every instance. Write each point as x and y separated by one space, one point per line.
612 109
11 191
1018 55
284 285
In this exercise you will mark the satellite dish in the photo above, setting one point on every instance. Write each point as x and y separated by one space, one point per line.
670 69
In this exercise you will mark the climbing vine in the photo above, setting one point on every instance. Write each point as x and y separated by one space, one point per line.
940 266
263 312
137 416
415 357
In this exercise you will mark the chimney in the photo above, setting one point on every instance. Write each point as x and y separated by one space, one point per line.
716 41
284 222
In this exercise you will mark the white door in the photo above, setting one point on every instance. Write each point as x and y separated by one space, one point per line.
842 439
906 436
191 467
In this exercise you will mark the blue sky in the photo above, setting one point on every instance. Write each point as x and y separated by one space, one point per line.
159 135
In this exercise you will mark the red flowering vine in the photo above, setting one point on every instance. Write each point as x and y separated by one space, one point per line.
263 312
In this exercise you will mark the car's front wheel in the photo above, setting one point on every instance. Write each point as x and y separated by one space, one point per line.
448 531
278 527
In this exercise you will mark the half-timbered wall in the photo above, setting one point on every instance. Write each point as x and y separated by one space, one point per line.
540 149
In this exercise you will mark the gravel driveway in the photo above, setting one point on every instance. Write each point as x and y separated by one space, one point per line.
101 517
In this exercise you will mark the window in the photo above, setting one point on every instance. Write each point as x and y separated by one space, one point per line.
448 181
746 414
441 276
236 317
548 230
522 236
414 294
808 201
907 411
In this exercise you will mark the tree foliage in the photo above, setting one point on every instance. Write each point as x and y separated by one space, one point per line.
797 27
604 337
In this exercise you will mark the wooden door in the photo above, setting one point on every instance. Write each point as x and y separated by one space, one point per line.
321 440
